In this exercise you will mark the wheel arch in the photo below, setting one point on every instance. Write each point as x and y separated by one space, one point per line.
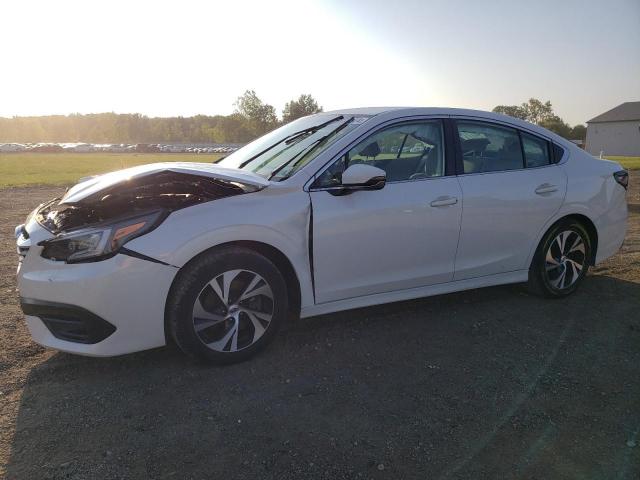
281 261
588 224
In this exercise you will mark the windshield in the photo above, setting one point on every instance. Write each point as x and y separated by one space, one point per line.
282 152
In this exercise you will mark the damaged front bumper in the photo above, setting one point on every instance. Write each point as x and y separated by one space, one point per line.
105 308
82 290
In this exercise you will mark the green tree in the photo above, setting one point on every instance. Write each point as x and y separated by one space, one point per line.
261 116
542 114
533 111
233 129
578 132
515 111
538 112
303 106
556 125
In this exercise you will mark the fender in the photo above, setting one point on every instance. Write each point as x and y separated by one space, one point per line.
189 232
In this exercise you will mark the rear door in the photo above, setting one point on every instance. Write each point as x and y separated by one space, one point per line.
510 189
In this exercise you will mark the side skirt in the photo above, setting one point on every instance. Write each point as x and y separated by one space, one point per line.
409 294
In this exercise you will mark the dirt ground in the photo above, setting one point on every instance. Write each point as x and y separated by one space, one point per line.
490 383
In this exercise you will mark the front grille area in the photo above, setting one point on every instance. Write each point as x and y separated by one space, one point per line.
69 322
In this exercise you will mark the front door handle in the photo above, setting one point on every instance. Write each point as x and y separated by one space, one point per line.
546 188
444 201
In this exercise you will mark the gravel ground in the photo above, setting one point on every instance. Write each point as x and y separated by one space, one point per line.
490 383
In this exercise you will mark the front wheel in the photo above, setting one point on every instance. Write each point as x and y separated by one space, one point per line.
561 261
226 305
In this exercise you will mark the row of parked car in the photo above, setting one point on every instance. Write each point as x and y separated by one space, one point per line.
116 148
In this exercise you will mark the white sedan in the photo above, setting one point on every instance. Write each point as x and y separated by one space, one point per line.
333 211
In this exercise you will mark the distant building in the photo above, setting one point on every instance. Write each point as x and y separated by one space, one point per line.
616 132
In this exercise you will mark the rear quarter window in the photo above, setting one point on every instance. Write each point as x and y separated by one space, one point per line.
558 153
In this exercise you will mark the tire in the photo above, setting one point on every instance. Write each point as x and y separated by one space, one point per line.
561 260
226 305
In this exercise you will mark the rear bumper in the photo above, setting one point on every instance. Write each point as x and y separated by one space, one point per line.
112 307
612 226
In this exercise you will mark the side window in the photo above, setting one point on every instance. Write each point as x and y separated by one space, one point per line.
410 151
489 148
536 150
558 152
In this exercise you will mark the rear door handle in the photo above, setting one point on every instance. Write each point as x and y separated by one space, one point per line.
546 188
444 201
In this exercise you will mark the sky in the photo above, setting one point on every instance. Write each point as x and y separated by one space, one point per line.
187 57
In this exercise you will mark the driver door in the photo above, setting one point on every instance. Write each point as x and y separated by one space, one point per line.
402 236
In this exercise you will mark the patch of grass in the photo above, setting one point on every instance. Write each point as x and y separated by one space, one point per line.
630 163
17 169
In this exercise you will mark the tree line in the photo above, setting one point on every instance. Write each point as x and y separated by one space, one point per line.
535 111
250 119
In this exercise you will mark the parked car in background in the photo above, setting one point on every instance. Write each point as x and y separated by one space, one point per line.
117 148
45 148
12 147
147 148
418 147
310 219
83 148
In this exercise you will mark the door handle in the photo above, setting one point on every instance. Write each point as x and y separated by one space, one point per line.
546 188
444 201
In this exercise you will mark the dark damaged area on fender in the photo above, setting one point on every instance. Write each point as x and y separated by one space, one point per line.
165 190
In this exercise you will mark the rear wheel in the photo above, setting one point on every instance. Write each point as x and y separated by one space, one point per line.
227 305
561 261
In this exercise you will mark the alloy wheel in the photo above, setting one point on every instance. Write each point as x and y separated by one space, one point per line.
565 259
233 310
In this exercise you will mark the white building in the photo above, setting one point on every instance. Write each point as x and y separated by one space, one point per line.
616 132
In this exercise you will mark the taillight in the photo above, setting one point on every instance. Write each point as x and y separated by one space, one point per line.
622 177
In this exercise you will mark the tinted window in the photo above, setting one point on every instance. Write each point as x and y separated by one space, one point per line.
558 152
536 150
410 151
489 148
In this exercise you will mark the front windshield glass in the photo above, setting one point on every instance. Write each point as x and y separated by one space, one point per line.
281 153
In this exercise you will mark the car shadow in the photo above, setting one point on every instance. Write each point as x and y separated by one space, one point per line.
487 383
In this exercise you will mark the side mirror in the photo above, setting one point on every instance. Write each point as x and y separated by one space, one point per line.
363 177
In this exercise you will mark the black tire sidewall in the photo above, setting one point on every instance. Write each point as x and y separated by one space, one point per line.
192 279
539 259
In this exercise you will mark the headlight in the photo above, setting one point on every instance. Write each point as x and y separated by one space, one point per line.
99 242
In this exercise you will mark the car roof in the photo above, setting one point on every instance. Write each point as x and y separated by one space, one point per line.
400 111
364 110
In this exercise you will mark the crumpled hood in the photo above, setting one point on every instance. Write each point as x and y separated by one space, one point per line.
165 187
92 187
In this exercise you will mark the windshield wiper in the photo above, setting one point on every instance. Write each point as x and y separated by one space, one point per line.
311 130
289 138
306 149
